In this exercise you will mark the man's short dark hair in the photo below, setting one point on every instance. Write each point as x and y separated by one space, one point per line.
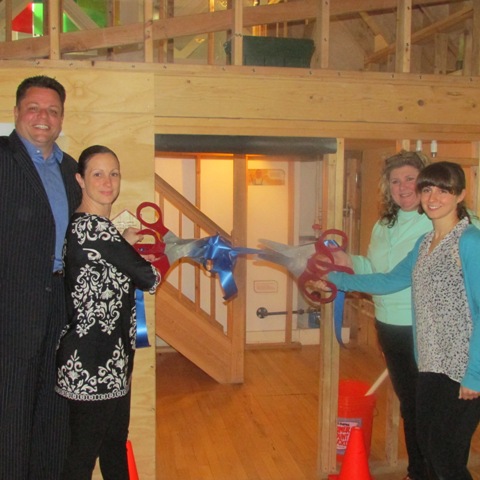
41 81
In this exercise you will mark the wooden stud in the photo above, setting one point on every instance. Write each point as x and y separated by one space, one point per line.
237 35
8 20
321 35
290 241
476 38
404 36
329 359
54 28
148 25
239 237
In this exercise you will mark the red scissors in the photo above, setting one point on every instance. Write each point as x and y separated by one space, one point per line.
320 264
155 229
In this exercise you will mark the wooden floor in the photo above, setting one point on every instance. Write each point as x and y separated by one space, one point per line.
265 428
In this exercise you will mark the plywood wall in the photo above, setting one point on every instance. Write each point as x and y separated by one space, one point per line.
105 108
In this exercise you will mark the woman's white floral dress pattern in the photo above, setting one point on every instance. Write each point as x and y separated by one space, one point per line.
96 349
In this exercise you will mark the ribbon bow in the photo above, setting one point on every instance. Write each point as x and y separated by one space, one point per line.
217 255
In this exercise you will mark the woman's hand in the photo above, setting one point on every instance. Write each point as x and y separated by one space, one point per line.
319 285
132 236
467 394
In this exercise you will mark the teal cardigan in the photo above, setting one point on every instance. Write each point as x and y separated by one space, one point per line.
401 277
388 247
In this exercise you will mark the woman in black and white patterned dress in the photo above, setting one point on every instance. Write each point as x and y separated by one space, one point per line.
443 270
96 351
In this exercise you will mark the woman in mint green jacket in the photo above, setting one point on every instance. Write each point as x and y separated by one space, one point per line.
443 271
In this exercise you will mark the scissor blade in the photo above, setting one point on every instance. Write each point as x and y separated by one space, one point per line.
304 251
293 258
176 247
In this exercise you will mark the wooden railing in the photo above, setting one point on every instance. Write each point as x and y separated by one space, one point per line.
149 39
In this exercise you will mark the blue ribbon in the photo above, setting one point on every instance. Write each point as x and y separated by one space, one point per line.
142 333
217 255
338 305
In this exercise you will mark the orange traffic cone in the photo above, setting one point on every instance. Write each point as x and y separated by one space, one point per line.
132 466
355 462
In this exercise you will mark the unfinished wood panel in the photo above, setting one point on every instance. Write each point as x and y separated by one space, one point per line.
279 127
396 118
373 97
94 114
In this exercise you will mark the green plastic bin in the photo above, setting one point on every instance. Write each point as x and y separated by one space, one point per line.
275 52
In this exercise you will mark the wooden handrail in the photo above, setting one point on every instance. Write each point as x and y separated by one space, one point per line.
189 209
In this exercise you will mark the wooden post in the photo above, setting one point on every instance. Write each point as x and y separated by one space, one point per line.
237 35
211 37
476 38
404 36
8 20
329 348
148 30
322 35
291 241
239 237
54 28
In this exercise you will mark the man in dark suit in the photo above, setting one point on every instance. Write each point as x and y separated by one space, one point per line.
38 193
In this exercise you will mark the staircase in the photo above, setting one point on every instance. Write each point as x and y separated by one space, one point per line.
182 322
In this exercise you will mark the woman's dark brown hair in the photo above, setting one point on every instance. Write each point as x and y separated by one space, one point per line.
447 176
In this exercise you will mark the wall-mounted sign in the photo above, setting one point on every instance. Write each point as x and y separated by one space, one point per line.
266 176
265 286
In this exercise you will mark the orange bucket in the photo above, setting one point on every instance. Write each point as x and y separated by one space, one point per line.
354 410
